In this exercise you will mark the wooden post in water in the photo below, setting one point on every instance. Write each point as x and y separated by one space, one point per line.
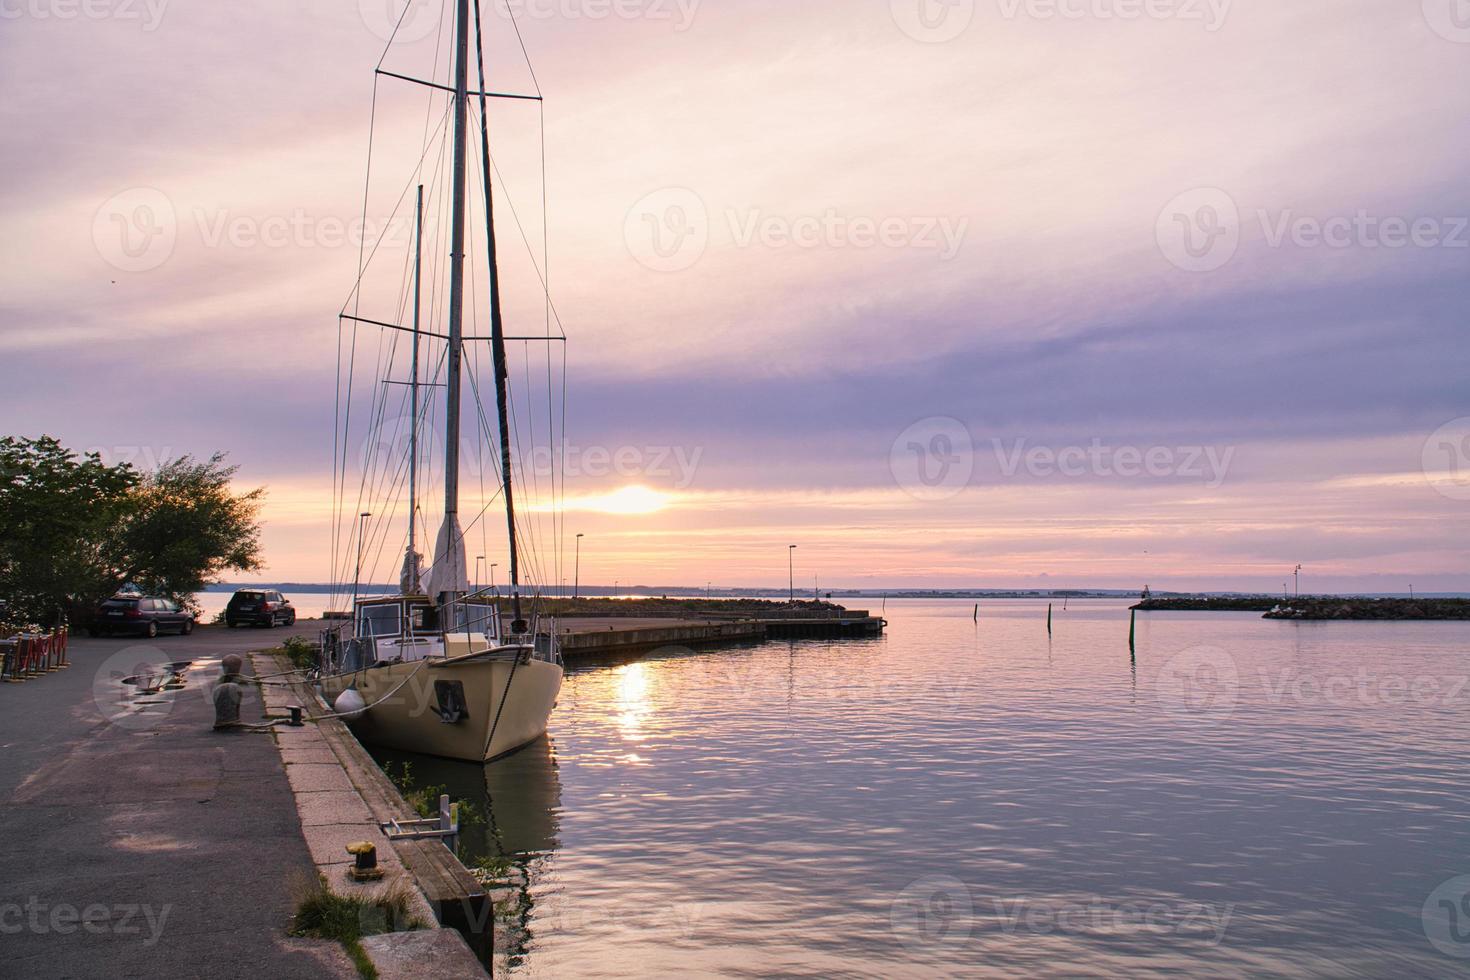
1048 618
1132 630
977 612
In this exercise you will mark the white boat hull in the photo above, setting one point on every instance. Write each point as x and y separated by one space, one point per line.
405 706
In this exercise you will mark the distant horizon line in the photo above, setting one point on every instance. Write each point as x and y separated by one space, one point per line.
686 591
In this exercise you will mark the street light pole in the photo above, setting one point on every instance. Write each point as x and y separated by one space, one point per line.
493 566
357 575
577 571
478 559
1297 577
791 574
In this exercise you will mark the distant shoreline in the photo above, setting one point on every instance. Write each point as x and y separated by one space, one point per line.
1174 600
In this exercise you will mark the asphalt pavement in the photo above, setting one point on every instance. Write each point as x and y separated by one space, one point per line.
137 842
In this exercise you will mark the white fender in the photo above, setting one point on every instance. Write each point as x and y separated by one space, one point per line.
350 704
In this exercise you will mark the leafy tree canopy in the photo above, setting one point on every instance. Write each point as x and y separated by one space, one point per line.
74 530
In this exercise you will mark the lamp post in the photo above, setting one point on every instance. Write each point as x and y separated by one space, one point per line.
577 570
478 559
357 575
1297 577
791 574
493 566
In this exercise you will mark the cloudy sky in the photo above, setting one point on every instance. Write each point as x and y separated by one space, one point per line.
966 293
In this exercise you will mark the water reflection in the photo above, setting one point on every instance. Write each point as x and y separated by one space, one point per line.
510 827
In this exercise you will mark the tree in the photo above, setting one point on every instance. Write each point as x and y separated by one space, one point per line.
56 511
74 530
184 527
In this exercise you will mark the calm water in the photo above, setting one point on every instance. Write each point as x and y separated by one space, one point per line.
1250 797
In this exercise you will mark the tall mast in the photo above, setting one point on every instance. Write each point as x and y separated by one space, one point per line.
456 294
413 420
497 338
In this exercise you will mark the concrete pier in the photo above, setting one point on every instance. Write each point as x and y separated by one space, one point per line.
588 637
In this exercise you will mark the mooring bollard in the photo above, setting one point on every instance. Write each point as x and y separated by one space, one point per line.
295 710
365 863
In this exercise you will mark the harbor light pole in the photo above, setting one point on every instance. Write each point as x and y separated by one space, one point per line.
478 559
791 574
357 575
577 570
1297 577
493 566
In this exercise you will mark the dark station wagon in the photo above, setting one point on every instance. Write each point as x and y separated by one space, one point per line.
140 615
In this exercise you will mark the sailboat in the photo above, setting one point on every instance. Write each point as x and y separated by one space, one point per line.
435 669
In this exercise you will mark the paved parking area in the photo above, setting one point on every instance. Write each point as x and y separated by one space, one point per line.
135 841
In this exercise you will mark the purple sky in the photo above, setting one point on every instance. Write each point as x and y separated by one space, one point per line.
1011 292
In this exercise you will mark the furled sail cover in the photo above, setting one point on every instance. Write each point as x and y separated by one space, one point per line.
411 579
448 573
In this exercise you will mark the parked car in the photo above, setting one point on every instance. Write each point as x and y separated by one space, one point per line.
259 607
143 615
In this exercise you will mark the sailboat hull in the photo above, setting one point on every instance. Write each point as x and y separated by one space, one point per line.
405 705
